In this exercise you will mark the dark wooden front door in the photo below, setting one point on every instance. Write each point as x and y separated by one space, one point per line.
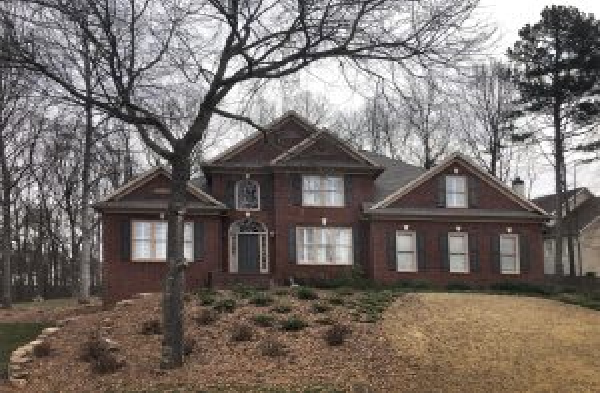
248 254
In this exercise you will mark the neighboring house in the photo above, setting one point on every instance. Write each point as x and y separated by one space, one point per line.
582 223
306 205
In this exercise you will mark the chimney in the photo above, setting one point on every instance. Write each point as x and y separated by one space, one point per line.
518 186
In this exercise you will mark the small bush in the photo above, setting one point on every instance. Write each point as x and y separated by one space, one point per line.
206 296
151 327
93 347
225 305
42 350
414 284
107 362
263 320
292 324
271 347
325 321
281 292
206 317
521 287
241 332
336 334
371 317
261 299
590 274
336 300
319 308
282 309
304 293
242 291
458 286
189 346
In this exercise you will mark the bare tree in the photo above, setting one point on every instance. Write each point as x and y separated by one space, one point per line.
223 46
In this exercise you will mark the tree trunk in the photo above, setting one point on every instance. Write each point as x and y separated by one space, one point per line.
570 230
558 200
6 229
86 233
172 353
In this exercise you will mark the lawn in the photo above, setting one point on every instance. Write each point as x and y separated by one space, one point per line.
13 335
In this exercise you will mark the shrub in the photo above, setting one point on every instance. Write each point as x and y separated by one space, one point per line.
292 324
304 293
371 317
263 320
458 286
225 305
189 346
150 327
206 317
282 309
590 274
325 321
281 292
414 284
319 308
42 350
271 347
241 332
206 296
93 347
521 287
261 299
242 291
107 362
336 300
336 334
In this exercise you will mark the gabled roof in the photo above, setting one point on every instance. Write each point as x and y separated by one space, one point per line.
546 202
480 172
258 135
581 217
147 176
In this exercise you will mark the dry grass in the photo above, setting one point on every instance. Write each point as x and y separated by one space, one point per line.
490 343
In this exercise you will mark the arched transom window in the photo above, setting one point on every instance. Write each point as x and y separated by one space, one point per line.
247 195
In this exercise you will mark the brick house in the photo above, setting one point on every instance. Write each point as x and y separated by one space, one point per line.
304 204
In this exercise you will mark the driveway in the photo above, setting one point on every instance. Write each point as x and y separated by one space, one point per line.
457 342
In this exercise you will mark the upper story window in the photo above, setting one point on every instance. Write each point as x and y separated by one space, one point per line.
322 190
247 195
509 254
456 191
149 241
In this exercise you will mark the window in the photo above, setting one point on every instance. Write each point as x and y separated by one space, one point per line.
247 195
406 258
149 241
322 191
324 246
458 246
456 191
509 254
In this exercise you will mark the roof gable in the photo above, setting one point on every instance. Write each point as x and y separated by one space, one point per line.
154 185
473 169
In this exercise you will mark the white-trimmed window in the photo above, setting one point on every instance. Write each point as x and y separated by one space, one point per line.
509 254
324 246
149 241
247 195
322 190
406 254
456 191
458 252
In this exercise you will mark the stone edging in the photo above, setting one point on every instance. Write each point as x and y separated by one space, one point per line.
21 357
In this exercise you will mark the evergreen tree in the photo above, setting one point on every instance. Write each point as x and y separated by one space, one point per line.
557 70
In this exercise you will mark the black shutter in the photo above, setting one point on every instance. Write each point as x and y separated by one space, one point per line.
347 190
495 248
473 253
524 254
473 191
198 240
441 192
126 240
295 189
266 193
230 194
444 256
292 257
421 263
391 250
357 245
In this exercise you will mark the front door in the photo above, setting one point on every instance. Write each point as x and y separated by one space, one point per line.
248 253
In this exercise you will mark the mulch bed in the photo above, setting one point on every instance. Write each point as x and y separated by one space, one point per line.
366 359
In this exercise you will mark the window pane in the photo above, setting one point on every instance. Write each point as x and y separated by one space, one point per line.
309 198
161 249
507 245
188 232
142 249
458 263
160 231
343 255
142 230
457 244
508 263
404 242
406 262
311 183
188 251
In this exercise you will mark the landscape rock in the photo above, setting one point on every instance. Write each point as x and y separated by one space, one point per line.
51 330
18 382
126 302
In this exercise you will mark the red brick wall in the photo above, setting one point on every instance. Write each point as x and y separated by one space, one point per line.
122 279
434 272
425 195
